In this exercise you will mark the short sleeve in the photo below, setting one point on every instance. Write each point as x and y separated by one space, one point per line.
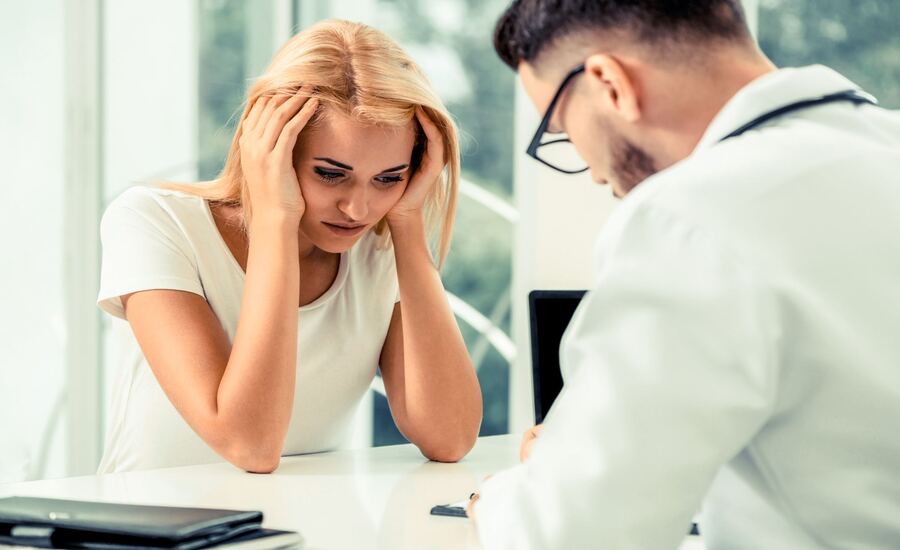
143 248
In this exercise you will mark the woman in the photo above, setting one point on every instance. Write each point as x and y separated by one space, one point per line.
333 184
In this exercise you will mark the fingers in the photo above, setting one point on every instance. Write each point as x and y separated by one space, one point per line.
428 126
470 507
252 117
433 159
256 119
288 137
288 106
266 114
532 432
528 439
524 446
269 114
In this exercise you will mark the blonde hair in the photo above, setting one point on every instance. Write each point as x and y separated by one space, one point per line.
362 73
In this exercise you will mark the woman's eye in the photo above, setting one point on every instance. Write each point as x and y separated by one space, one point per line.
327 175
388 181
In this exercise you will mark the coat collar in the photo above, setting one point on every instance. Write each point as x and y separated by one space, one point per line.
770 92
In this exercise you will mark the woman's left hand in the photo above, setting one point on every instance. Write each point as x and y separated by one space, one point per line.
410 205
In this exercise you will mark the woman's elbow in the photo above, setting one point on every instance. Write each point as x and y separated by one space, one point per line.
254 457
449 452
260 465
444 455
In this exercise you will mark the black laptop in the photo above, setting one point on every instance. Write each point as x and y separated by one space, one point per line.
55 523
551 311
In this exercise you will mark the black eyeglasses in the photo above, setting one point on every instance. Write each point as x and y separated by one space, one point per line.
558 153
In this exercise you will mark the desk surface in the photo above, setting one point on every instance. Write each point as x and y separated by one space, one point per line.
367 498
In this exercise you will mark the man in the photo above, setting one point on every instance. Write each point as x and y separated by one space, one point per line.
740 348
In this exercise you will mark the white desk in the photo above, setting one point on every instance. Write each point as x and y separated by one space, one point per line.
368 498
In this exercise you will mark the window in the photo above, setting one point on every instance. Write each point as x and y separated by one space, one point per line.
33 332
450 42
860 39
167 86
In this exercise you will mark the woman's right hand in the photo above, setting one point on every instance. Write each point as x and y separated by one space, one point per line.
267 138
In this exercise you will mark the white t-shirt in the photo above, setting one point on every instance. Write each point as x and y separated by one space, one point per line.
160 239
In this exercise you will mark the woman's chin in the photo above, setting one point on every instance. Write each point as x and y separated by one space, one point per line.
337 244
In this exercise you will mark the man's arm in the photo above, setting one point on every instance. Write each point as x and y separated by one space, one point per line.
668 374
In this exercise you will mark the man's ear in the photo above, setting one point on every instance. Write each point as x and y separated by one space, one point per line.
617 91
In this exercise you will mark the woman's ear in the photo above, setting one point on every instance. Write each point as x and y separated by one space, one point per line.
612 84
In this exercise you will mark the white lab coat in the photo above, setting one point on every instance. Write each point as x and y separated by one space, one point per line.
741 344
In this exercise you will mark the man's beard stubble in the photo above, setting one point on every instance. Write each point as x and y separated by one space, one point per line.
630 165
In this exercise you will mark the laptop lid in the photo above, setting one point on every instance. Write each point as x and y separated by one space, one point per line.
161 523
550 311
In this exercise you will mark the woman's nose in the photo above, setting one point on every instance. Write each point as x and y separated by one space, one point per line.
355 205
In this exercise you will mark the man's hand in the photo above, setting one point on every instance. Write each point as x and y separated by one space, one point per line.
528 439
470 508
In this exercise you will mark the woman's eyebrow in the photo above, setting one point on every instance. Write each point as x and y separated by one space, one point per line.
395 169
336 163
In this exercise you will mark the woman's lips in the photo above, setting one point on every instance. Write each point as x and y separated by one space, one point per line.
345 230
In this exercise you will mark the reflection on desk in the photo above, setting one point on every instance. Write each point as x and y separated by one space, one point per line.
367 498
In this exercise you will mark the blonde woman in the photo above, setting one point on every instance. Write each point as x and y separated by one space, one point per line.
262 303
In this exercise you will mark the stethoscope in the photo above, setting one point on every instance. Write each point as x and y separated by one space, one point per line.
856 97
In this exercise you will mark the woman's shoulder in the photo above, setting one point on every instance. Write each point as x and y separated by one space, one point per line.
147 199
155 210
161 207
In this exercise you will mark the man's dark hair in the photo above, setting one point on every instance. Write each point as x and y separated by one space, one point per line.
528 27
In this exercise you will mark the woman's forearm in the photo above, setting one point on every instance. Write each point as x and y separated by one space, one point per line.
256 394
442 406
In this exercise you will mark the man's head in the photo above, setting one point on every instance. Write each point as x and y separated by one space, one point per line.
655 74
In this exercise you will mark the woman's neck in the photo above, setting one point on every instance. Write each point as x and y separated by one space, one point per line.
230 225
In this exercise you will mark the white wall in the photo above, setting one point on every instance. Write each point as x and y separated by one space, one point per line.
150 92
751 9
32 328
149 100
149 110
561 216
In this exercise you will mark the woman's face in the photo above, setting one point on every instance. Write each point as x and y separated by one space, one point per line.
351 175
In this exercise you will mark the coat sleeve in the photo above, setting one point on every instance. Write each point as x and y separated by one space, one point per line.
669 372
